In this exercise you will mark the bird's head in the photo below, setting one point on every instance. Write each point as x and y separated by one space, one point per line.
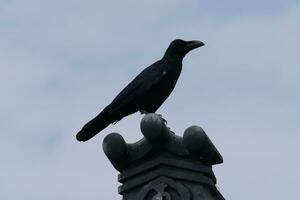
179 48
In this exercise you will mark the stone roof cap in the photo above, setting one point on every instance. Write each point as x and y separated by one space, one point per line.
194 145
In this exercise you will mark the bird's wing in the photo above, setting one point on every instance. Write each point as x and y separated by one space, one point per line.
140 85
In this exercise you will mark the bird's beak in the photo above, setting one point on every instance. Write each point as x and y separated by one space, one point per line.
194 44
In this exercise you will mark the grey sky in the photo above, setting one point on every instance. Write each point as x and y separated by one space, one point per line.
242 88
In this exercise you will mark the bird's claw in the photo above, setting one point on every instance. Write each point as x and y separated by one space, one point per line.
164 120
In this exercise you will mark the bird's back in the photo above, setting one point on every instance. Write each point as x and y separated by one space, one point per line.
149 89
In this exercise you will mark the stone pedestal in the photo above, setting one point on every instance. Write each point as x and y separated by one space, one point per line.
163 166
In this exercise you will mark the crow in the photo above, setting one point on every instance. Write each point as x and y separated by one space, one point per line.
146 92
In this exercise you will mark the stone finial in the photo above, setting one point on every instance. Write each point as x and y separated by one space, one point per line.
162 160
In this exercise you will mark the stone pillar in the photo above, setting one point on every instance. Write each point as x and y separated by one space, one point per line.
164 166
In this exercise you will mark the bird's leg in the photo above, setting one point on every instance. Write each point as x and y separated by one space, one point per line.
144 112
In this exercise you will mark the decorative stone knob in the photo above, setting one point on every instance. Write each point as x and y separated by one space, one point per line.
154 128
115 148
199 145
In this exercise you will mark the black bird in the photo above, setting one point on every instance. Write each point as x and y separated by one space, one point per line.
146 92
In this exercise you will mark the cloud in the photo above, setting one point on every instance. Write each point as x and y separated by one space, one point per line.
62 62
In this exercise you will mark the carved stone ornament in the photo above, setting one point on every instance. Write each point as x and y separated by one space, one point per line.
163 165
164 188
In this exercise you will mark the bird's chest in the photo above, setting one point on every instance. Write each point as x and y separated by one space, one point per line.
158 94
168 82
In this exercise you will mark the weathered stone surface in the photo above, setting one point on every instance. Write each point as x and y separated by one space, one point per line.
199 145
164 166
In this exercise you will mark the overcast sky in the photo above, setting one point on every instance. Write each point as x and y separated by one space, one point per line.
61 62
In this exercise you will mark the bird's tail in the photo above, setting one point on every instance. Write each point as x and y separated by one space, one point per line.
94 126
